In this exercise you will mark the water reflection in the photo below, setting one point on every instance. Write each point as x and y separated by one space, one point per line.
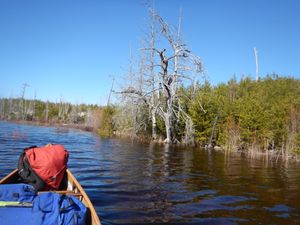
141 184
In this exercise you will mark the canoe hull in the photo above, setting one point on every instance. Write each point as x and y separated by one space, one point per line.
70 187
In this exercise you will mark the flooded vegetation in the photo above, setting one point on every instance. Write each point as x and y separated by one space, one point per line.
131 183
253 117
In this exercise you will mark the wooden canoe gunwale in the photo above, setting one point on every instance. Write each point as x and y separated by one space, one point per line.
73 188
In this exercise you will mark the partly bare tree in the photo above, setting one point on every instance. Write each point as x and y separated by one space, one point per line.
168 65
47 111
256 63
178 67
22 102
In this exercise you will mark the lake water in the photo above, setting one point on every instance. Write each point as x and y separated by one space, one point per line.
131 183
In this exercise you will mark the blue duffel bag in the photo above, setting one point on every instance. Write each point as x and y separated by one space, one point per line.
17 192
51 208
16 204
19 204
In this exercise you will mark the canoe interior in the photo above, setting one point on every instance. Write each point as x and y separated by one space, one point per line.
69 186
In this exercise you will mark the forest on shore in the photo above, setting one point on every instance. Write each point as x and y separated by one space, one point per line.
245 115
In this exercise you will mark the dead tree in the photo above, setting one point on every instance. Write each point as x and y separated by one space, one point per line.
111 90
2 108
153 82
22 102
174 70
47 111
256 63
34 105
143 89
167 68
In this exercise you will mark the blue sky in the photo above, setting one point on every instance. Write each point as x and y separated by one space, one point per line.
71 49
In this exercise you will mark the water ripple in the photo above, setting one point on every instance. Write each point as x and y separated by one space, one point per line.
151 184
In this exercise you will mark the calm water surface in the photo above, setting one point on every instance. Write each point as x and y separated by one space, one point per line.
150 184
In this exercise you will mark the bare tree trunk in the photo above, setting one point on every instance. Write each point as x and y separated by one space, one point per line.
153 101
47 111
210 145
10 108
2 108
256 63
189 132
22 104
169 132
111 90
154 126
34 103
168 119
60 109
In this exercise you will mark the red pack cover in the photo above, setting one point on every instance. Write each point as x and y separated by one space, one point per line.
49 163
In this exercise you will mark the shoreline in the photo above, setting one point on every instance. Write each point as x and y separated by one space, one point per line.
53 124
250 153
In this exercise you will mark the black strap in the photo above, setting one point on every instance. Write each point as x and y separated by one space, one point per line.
33 146
27 174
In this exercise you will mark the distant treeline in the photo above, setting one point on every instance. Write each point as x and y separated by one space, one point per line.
240 115
20 109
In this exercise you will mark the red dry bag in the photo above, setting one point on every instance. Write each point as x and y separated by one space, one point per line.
49 163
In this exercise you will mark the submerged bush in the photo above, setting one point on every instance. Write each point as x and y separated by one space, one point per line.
265 114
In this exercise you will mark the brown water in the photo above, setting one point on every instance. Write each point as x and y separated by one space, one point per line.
151 184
